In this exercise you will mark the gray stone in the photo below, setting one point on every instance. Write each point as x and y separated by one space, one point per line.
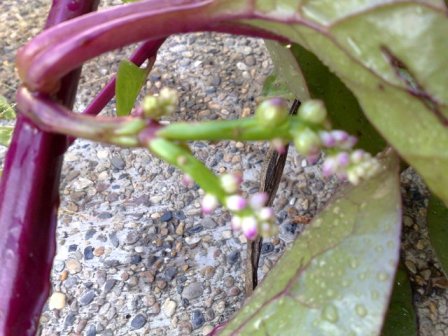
87 297
138 322
192 291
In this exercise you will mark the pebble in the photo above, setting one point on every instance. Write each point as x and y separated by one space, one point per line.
267 248
170 273
167 216
229 281
234 291
87 297
197 319
73 266
117 162
56 301
233 257
91 331
138 322
192 291
88 253
169 307
69 320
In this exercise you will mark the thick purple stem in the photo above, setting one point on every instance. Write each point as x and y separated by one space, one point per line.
28 205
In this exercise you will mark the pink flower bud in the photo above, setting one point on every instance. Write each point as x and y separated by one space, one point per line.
230 183
357 156
330 166
187 181
343 159
209 203
313 158
339 136
236 223
258 200
279 146
266 214
249 227
327 139
235 203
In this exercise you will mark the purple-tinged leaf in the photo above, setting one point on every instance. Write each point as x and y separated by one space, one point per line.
337 277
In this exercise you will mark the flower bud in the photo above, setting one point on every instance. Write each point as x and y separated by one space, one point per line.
209 203
272 112
249 227
164 104
230 183
307 142
266 214
236 223
235 203
313 111
187 181
258 200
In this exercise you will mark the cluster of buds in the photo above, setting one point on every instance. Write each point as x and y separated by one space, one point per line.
164 103
342 161
250 216
354 167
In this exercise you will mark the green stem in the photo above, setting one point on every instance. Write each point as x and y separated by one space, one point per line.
180 157
247 129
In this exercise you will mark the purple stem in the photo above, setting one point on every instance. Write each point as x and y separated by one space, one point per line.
29 201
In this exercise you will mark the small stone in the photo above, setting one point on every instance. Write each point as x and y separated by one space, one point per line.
99 251
89 234
72 248
87 297
110 283
155 309
267 248
56 301
180 229
170 273
193 291
411 266
169 307
197 319
234 291
208 223
117 162
81 325
167 216
114 239
161 284
73 266
63 276
227 234
135 259
91 331
138 322
195 229
132 237
193 241
229 281
88 253
220 307
233 257
69 320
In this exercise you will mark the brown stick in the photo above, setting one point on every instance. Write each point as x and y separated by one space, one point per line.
271 175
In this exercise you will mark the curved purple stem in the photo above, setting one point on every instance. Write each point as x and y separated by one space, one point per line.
29 201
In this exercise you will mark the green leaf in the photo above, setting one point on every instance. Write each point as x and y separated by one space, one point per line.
288 81
400 318
391 55
337 277
438 229
5 135
130 79
6 111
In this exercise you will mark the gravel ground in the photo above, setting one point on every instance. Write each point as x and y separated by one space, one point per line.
135 256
